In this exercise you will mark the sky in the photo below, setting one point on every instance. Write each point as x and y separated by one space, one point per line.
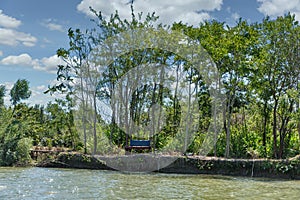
31 31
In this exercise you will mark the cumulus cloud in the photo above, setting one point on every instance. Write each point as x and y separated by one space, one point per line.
188 11
22 59
8 87
11 37
8 22
47 64
274 8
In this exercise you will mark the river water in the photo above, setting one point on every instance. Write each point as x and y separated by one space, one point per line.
48 183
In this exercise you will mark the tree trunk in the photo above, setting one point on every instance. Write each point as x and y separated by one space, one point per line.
284 130
83 117
265 115
275 153
298 129
227 127
227 150
95 123
153 101
113 116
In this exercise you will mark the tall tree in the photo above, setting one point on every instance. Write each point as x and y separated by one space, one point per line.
20 91
279 69
2 95
231 50
72 75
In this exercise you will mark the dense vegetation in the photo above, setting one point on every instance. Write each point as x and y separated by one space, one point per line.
258 65
24 126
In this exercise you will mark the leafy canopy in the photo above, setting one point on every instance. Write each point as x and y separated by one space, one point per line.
20 91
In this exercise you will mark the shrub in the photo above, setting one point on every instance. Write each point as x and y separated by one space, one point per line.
23 151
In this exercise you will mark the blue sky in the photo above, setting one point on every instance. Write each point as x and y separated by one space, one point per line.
31 31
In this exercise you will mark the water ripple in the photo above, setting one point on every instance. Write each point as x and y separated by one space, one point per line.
42 183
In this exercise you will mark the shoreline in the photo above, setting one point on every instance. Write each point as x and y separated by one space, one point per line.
263 168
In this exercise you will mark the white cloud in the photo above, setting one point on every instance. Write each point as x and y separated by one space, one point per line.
8 86
47 64
192 18
188 11
1 53
274 8
11 37
41 87
38 96
53 26
8 22
235 16
22 59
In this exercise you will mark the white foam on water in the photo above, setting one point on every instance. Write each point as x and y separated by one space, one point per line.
2 187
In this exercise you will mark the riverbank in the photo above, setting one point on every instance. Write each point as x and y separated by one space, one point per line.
287 169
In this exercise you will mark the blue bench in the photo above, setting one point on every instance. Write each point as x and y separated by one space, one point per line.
138 145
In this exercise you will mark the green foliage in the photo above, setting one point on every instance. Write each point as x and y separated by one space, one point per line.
24 126
2 94
60 129
23 151
20 91
258 65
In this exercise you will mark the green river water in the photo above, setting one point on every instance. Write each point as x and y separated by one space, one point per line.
45 183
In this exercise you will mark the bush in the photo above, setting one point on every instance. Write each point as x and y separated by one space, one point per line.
7 152
23 151
15 152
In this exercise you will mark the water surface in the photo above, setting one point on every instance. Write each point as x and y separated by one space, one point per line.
45 183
